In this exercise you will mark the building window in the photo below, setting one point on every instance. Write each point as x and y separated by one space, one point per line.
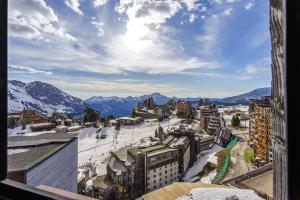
160 174
165 171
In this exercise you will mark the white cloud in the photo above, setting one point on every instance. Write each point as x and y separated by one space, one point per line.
97 3
99 27
259 38
192 17
74 5
250 69
259 68
145 46
227 11
217 1
232 1
22 69
208 39
32 19
85 88
249 5
203 9
191 4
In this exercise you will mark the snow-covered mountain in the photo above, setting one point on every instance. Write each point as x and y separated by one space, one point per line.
46 98
41 96
119 106
244 98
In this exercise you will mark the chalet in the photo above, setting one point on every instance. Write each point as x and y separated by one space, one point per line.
35 160
42 127
32 117
58 118
144 113
130 121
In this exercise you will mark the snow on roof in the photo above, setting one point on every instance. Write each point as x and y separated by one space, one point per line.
200 163
220 194
15 151
129 118
39 133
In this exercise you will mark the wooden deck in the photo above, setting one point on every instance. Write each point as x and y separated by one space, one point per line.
262 183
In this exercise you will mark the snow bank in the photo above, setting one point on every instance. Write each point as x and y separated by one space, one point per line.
209 177
206 156
220 194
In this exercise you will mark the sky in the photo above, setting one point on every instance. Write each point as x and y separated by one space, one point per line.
183 48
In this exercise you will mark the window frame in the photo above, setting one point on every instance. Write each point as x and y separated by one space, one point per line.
10 189
292 63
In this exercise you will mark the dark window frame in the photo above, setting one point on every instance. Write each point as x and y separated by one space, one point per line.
12 190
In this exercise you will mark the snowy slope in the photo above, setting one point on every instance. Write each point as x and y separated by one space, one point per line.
42 97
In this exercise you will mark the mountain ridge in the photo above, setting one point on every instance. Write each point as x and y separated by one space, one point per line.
47 98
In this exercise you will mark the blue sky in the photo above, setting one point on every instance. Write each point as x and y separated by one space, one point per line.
180 48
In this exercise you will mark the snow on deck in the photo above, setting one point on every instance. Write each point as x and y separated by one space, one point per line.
206 156
220 194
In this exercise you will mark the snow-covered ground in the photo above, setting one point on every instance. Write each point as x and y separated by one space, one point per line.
209 177
238 107
206 156
244 123
97 150
14 131
220 194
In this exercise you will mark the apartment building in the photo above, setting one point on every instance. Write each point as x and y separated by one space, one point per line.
260 130
206 113
214 125
156 166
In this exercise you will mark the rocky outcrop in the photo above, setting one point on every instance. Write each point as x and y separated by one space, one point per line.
278 106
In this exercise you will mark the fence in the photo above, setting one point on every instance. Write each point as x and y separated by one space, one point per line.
225 167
